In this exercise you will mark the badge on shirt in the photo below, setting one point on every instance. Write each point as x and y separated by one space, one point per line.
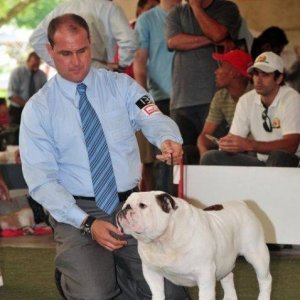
276 123
147 105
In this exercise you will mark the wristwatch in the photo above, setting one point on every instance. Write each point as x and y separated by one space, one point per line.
87 225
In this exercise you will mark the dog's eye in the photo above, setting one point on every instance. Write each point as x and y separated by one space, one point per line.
142 205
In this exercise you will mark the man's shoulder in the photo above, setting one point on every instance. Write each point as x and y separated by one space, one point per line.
181 9
249 98
150 15
288 91
221 94
20 69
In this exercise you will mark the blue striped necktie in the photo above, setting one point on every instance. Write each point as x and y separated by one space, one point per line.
103 178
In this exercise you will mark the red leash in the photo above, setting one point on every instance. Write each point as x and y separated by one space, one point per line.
181 180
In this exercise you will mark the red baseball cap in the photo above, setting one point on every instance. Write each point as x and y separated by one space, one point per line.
239 59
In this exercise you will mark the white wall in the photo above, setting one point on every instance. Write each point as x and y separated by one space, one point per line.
272 193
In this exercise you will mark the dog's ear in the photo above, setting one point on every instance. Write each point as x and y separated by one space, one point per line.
166 202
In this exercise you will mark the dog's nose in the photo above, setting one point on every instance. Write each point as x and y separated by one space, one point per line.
127 207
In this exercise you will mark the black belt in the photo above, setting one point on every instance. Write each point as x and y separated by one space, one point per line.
122 195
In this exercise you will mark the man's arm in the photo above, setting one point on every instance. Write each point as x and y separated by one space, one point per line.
233 143
203 143
186 42
40 168
212 29
14 88
140 66
124 35
39 39
18 100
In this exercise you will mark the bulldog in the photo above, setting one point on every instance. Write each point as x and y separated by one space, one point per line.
194 247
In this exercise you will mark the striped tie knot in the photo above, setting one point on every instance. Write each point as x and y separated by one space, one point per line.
81 89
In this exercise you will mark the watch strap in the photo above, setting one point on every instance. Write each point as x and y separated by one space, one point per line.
87 225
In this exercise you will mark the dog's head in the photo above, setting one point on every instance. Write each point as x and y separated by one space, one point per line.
145 215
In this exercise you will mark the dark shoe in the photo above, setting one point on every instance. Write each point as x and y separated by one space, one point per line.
57 277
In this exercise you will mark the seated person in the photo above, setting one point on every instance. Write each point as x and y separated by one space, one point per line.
271 39
232 80
293 74
270 113
26 217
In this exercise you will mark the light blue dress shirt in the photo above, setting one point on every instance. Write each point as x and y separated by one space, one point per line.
53 152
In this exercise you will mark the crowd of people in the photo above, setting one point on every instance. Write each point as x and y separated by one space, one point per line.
199 93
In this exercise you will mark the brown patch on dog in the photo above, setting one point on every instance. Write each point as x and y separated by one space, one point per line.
166 202
214 207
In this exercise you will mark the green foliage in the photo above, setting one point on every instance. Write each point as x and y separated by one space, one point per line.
31 16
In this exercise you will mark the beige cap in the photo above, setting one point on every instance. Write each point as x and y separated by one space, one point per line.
267 62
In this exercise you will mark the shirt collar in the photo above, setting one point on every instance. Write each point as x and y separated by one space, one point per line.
68 88
275 101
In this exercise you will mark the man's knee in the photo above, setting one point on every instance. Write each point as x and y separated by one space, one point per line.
88 288
281 158
211 158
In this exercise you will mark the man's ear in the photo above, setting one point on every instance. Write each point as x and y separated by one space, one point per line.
49 49
166 202
279 79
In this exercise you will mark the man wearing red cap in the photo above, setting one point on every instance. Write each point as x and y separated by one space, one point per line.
232 80
270 113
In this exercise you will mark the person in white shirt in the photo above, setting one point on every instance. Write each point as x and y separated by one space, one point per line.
108 26
270 113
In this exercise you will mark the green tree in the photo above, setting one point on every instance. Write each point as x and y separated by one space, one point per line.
25 13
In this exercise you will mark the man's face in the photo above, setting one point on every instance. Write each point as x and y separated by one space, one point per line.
224 74
33 63
264 83
71 54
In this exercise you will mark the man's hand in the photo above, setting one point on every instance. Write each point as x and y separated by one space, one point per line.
101 233
233 143
171 152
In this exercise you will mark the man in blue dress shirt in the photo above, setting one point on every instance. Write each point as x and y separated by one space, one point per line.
94 259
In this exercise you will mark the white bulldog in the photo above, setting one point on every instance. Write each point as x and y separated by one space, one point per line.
190 246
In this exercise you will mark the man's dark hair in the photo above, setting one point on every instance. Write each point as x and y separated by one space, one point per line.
274 36
142 3
73 21
32 54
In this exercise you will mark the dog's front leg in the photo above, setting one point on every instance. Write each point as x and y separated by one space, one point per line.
207 282
155 282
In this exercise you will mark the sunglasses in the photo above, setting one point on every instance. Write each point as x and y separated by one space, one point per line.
267 123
